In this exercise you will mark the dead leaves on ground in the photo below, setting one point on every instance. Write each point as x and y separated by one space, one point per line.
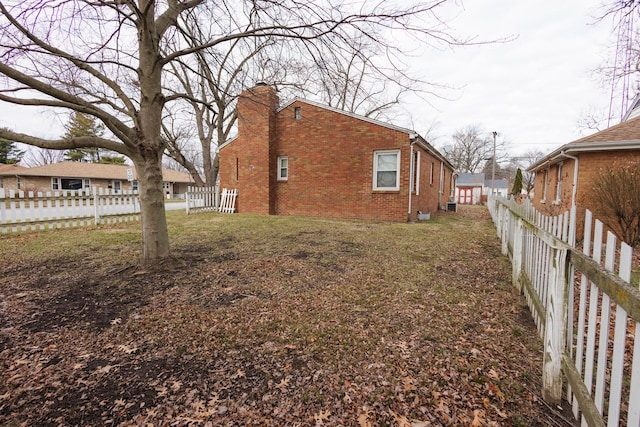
338 324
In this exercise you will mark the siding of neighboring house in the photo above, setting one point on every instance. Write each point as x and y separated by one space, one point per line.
606 149
590 166
58 176
330 163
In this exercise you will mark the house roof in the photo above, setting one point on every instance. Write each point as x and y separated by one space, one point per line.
470 179
91 170
411 132
413 135
498 183
623 136
11 169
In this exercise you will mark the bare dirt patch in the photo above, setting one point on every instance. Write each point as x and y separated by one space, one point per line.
272 321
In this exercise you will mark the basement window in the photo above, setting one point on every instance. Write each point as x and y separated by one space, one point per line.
283 168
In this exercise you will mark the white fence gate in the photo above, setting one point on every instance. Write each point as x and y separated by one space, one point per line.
587 315
63 209
201 199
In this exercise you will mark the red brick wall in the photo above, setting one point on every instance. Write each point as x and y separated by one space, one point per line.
244 164
331 166
330 158
590 165
429 197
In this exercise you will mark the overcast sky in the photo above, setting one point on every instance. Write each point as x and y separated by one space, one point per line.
532 90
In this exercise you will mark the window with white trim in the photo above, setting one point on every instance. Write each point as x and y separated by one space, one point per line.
18 183
559 185
134 185
415 179
1 183
283 168
386 170
58 183
433 166
546 184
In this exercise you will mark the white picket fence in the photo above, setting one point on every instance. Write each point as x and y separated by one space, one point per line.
64 209
587 315
203 199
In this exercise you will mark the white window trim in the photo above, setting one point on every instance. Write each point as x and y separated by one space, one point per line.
559 184
55 183
544 188
431 173
280 168
375 170
415 172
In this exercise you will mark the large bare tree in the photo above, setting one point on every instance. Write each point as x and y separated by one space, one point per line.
109 59
359 77
472 148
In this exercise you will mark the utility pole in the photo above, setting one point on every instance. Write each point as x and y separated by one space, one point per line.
493 163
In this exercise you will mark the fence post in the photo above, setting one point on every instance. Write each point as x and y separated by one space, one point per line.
188 198
555 327
96 203
507 217
518 237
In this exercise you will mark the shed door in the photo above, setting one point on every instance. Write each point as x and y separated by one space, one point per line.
465 196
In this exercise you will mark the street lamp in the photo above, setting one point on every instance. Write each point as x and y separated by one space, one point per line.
493 163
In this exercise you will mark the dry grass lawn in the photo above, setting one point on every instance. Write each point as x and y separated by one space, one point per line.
268 321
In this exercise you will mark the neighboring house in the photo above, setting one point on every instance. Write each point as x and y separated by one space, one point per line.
469 188
309 159
79 175
9 175
500 188
565 177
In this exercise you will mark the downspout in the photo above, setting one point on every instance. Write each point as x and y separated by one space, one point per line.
413 141
575 177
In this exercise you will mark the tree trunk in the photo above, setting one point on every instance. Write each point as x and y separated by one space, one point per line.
155 236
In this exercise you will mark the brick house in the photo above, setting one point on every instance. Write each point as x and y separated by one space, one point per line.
309 159
565 177
79 175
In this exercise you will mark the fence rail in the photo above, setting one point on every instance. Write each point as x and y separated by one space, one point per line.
587 313
64 209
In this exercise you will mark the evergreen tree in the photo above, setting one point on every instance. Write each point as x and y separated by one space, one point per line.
9 152
112 160
516 190
82 125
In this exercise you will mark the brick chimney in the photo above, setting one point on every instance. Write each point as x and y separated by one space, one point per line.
256 132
